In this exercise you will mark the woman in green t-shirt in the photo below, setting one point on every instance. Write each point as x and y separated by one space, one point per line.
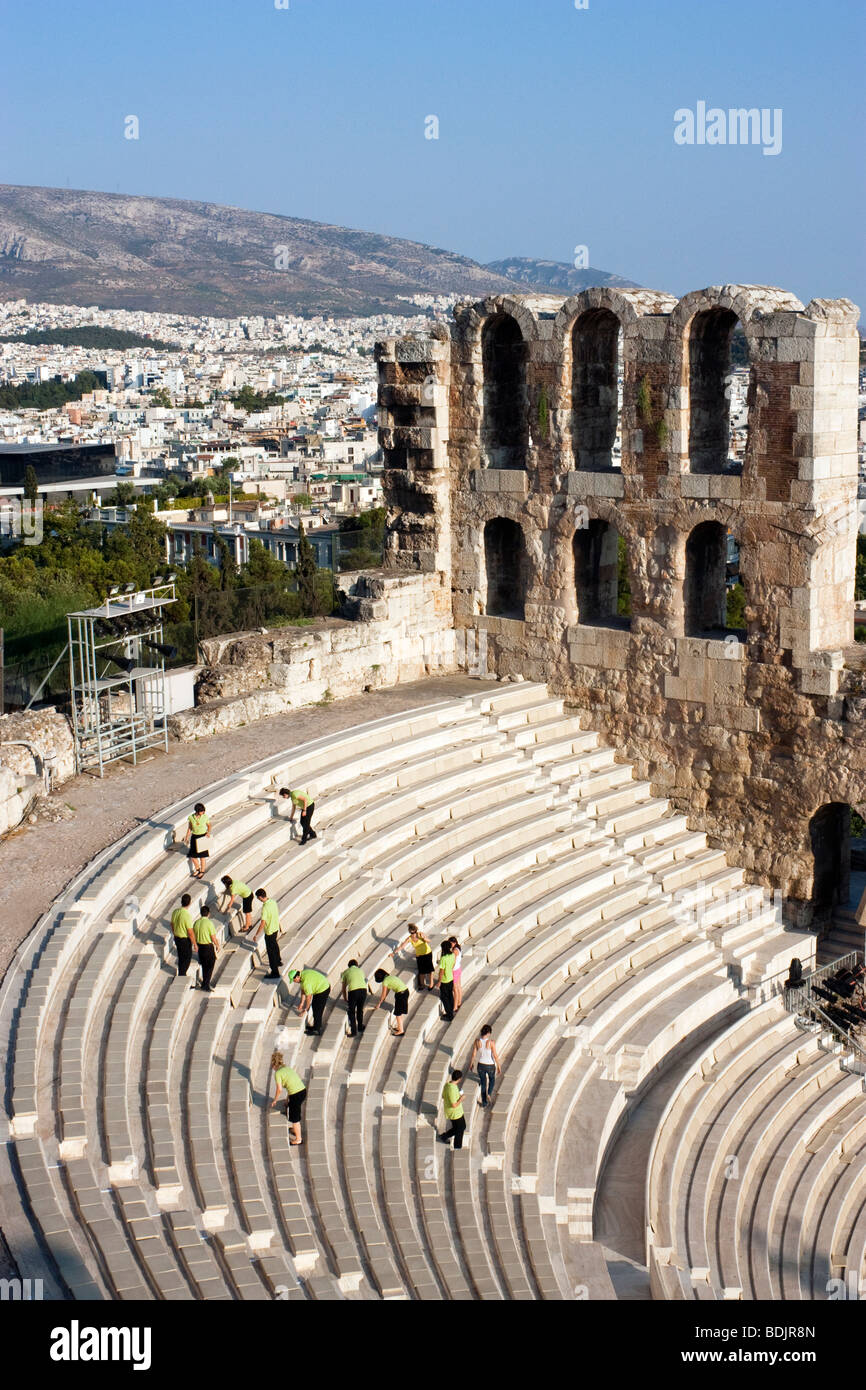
296 1093
401 998
197 834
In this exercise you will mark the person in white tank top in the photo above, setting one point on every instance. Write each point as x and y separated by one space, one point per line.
488 1063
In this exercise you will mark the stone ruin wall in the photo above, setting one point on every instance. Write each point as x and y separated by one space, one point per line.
397 628
749 738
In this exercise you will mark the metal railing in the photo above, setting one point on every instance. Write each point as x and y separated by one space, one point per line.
802 1001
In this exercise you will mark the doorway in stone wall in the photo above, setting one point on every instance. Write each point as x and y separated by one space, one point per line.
835 878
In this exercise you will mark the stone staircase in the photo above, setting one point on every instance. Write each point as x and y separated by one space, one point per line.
601 938
755 1184
844 935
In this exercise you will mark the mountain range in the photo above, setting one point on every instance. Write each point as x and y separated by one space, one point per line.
71 246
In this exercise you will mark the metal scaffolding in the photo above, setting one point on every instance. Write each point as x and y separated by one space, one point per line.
117 677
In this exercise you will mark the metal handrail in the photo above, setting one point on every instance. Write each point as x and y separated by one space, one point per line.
801 1000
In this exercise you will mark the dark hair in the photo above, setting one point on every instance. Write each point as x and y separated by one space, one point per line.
380 975
351 963
445 944
284 791
205 910
199 808
457 1075
227 880
261 893
185 900
485 1030
294 974
452 941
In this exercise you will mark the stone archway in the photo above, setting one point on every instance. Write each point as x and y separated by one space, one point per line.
830 841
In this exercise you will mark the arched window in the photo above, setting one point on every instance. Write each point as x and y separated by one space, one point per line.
719 376
505 399
505 568
713 595
601 579
596 390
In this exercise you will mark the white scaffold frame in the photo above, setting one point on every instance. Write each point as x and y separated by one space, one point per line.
107 659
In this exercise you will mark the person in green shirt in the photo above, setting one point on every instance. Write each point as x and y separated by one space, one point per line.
401 998
452 1101
184 937
315 990
296 1093
208 947
236 888
301 801
197 832
446 979
270 920
355 993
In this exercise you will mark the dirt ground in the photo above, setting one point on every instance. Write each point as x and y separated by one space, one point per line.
38 861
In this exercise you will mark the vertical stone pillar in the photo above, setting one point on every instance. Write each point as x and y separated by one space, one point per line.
414 384
825 348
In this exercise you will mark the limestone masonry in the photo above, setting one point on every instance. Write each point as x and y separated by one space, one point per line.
506 485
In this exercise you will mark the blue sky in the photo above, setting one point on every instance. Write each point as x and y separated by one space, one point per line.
555 124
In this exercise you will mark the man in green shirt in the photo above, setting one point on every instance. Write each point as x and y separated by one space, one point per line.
452 1101
296 1094
271 923
315 990
181 930
236 888
446 980
355 993
301 801
401 998
208 947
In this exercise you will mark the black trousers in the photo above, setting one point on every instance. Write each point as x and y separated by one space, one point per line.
446 994
456 1132
319 1002
184 953
356 999
207 960
306 818
272 946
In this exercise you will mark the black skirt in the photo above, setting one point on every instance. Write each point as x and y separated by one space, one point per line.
293 1106
401 1003
424 964
194 851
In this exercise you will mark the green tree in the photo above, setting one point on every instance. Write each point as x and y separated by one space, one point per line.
123 496
736 608
48 395
139 547
228 565
160 397
263 567
249 400
305 571
31 484
860 570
